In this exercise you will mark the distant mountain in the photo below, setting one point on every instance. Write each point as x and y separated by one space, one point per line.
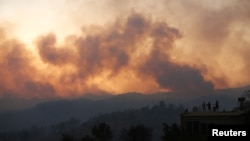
54 111
10 103
13 103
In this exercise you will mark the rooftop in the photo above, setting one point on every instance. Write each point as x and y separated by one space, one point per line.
214 113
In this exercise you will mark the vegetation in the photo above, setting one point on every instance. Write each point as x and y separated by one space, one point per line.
102 132
136 133
144 124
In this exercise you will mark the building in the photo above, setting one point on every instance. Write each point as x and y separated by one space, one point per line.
197 122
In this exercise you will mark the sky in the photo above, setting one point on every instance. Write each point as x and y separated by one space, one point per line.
65 48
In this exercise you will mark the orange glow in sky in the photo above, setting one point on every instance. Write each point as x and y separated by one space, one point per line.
68 48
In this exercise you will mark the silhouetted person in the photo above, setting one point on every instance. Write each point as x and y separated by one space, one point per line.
203 106
216 105
209 106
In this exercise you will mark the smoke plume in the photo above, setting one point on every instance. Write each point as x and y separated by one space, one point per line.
182 46
135 45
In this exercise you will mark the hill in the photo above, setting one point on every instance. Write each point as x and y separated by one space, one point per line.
54 111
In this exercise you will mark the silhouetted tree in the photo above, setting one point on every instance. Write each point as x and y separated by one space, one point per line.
136 133
102 132
66 137
162 104
172 133
166 131
87 138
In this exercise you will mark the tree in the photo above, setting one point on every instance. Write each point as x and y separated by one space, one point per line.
162 104
87 138
66 137
171 133
136 133
166 131
102 132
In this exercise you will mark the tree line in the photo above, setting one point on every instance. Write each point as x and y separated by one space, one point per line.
141 124
103 132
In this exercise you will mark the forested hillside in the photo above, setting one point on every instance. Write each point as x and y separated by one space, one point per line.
151 117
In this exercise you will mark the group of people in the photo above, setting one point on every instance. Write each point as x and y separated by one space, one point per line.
207 107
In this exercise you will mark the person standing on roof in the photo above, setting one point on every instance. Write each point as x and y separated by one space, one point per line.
216 105
209 106
203 106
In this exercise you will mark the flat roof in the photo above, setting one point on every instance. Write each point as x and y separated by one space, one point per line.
214 113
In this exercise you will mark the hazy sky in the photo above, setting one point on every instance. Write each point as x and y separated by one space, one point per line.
71 47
